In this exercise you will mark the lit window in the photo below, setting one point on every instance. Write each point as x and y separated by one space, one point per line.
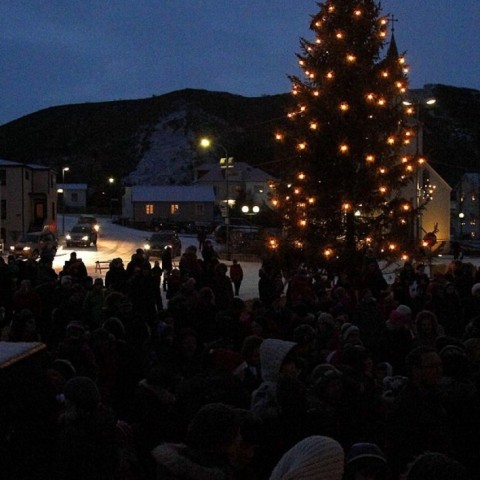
149 209
174 208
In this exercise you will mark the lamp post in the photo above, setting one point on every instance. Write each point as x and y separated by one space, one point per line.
111 182
417 105
225 164
64 169
461 216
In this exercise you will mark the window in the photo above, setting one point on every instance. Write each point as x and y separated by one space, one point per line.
3 177
174 209
199 209
74 197
149 209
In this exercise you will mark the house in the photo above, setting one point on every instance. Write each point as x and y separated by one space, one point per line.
142 204
466 221
74 196
239 181
28 196
430 191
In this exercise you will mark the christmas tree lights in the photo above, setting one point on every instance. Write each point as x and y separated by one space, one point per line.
347 116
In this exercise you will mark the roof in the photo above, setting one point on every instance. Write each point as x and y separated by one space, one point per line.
72 186
241 171
33 166
172 193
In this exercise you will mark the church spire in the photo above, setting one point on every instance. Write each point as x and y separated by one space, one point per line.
392 52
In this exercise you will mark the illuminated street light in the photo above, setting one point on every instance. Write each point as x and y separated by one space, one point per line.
64 169
225 163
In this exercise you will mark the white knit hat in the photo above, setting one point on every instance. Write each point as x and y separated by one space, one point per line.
314 457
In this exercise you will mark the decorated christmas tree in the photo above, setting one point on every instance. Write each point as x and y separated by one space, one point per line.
343 144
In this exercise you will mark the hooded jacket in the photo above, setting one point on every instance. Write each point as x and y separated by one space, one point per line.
272 355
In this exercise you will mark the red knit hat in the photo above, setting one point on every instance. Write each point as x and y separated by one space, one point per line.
228 360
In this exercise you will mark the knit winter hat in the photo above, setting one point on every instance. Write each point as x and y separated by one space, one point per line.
347 330
475 288
272 355
365 450
313 457
82 392
228 360
404 310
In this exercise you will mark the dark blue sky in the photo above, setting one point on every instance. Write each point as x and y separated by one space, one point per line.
58 52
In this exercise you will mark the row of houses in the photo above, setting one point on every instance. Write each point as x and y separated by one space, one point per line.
29 199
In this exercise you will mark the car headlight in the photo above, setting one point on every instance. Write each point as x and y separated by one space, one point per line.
25 249
12 248
68 236
146 246
85 238
96 228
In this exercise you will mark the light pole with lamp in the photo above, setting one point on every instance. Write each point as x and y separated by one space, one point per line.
225 164
111 182
461 216
64 169
417 105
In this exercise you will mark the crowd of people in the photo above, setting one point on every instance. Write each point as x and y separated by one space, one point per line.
311 379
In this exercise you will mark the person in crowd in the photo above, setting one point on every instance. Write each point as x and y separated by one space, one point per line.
366 461
211 444
236 275
427 329
277 359
418 420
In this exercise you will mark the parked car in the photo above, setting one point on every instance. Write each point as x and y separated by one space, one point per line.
235 228
88 219
36 244
82 235
180 226
157 243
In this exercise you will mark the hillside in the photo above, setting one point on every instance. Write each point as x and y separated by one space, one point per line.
154 140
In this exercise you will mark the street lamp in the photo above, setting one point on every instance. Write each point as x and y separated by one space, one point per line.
64 169
111 182
225 164
417 104
461 216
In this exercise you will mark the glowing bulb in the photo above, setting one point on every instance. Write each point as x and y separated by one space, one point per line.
311 200
301 176
381 102
344 106
401 60
385 74
404 159
421 160
383 21
383 33
318 41
409 168
328 252
302 146
409 110
302 222
370 97
346 207
296 191
313 125
357 12
330 75
406 207
382 170
391 140
351 58
278 136
370 158
392 246
339 35
275 202
301 62
316 93
331 8
303 108
383 189
343 148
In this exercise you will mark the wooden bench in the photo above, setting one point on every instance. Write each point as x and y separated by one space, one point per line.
102 265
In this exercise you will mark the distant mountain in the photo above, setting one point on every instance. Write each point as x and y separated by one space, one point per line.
155 140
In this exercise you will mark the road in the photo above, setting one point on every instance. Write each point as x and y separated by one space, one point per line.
118 241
